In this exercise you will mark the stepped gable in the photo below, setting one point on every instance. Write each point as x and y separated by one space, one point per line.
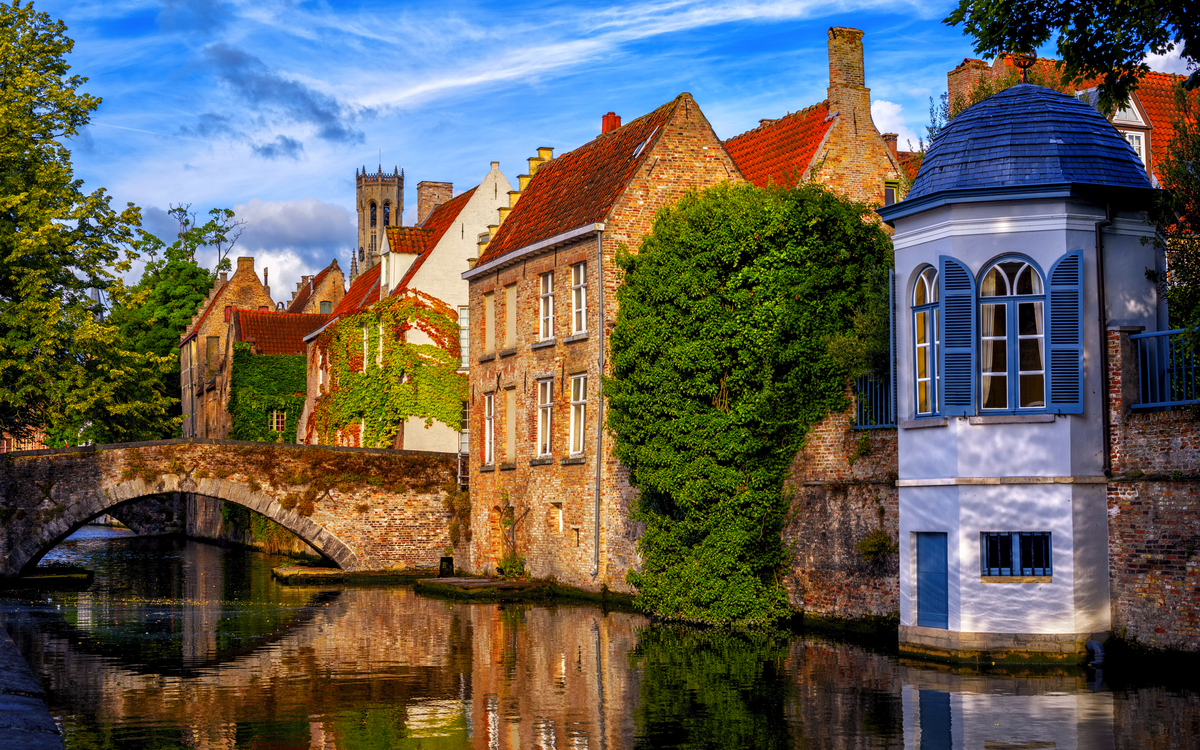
276 332
581 186
436 224
780 151
1028 135
302 294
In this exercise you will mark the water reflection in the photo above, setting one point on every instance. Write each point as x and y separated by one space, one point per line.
184 645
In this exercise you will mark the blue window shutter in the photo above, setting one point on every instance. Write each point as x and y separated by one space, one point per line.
1066 334
957 321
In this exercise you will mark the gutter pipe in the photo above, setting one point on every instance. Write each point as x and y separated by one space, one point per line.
1107 429
600 397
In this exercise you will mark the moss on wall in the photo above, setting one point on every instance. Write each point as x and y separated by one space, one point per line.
260 385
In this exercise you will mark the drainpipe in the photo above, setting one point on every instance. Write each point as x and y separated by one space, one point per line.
1100 225
600 400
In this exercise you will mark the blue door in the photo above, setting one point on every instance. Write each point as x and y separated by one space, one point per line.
933 609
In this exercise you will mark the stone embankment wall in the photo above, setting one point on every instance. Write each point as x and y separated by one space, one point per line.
207 520
1154 514
844 489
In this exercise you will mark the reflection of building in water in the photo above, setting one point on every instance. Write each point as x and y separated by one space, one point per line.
948 711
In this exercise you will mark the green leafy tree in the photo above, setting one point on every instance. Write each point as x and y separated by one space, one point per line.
63 367
1108 41
722 359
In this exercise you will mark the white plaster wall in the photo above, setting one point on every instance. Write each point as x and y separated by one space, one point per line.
434 437
1089 522
928 509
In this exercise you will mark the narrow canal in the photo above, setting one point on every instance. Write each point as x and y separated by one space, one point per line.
188 645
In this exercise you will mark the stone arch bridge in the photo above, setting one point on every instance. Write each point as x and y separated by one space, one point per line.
363 509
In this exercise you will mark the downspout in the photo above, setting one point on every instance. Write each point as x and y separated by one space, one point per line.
600 399
1100 225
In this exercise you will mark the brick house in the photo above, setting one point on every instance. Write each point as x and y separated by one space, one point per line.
833 142
427 259
1145 120
203 344
318 294
542 303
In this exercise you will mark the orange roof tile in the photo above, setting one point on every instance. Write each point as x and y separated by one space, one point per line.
436 224
581 186
302 294
407 240
910 162
363 292
781 151
276 332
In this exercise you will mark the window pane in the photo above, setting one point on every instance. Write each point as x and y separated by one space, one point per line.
1028 281
1033 391
994 358
1029 319
995 392
922 328
994 284
923 363
923 397
919 295
1031 354
1035 553
994 320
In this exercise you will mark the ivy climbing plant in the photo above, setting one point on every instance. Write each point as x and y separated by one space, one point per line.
260 385
397 359
722 360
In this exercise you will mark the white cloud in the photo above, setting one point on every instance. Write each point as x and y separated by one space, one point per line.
294 238
889 118
1169 62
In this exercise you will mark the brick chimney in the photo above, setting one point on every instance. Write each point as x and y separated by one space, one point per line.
890 139
609 123
848 94
430 195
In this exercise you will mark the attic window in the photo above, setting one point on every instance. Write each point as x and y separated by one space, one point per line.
326 308
642 146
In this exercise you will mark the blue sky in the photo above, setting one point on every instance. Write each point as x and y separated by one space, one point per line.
268 107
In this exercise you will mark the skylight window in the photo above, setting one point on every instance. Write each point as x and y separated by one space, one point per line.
642 146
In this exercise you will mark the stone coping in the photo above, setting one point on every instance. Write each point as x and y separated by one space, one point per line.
952 645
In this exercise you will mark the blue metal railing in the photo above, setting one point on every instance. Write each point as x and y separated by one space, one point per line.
1168 371
873 403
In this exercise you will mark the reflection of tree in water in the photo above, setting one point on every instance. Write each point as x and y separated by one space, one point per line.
711 688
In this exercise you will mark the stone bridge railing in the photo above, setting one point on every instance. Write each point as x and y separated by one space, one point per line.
364 509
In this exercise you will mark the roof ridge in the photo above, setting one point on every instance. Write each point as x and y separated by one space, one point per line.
777 120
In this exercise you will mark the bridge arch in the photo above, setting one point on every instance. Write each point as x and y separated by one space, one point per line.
104 497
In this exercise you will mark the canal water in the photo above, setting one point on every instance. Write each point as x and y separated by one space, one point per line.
180 644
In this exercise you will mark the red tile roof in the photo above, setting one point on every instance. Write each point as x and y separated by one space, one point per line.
363 292
408 240
581 186
910 162
781 151
302 294
276 332
436 224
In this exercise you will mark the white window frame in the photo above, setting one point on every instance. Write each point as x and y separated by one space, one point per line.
278 416
545 424
579 298
489 429
464 337
578 413
925 320
546 306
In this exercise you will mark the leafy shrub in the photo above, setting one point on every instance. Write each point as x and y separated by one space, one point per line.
876 547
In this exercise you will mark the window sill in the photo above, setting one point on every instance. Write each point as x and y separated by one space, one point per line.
543 343
1011 419
573 460
541 461
507 352
921 424
507 467
486 358
1016 579
487 467
581 336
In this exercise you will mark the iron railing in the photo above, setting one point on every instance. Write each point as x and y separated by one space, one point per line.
1168 372
873 403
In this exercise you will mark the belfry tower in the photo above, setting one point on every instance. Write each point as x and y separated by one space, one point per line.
380 202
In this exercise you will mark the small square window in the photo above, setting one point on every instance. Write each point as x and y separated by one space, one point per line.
326 308
278 420
1015 553
890 191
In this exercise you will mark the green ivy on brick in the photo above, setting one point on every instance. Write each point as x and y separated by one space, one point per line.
259 385
722 361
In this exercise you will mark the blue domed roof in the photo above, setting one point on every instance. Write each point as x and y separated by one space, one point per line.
1025 136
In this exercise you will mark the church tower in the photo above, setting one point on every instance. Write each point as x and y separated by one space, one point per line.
380 202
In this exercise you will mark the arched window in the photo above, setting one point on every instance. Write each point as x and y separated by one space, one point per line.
926 341
1012 337
387 214
372 214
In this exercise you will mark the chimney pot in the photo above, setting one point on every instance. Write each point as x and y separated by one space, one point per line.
890 139
609 123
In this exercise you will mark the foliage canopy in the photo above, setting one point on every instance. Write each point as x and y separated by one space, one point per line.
721 362
61 363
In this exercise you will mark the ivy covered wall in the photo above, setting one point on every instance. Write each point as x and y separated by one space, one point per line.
259 386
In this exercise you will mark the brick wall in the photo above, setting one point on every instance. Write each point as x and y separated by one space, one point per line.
1154 514
839 499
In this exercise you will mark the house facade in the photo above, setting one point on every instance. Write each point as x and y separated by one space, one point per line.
1018 249
202 347
320 293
